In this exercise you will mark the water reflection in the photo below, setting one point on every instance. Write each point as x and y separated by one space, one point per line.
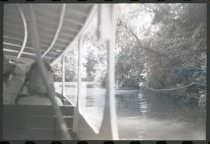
139 118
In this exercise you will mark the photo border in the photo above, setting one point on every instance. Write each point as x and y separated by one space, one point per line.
2 2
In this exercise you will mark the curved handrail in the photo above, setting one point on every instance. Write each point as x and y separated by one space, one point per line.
25 31
83 29
58 29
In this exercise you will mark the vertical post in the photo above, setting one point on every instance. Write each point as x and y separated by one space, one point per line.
79 71
63 76
76 110
2 7
107 22
36 45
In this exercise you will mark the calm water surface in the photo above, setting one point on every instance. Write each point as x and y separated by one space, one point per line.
136 120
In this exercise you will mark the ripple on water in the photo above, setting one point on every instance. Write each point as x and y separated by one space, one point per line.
158 129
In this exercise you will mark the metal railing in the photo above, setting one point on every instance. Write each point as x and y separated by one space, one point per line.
106 27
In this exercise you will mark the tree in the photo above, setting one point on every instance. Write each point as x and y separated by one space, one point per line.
169 47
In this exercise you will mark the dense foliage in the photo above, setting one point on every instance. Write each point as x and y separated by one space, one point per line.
159 47
175 40
165 55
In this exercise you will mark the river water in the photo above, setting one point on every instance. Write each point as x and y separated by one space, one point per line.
136 121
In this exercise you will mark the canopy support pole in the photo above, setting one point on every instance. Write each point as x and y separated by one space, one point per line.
76 110
60 23
25 31
63 76
107 31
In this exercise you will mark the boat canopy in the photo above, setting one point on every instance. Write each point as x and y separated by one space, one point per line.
58 26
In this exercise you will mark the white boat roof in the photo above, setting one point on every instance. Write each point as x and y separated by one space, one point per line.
58 26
